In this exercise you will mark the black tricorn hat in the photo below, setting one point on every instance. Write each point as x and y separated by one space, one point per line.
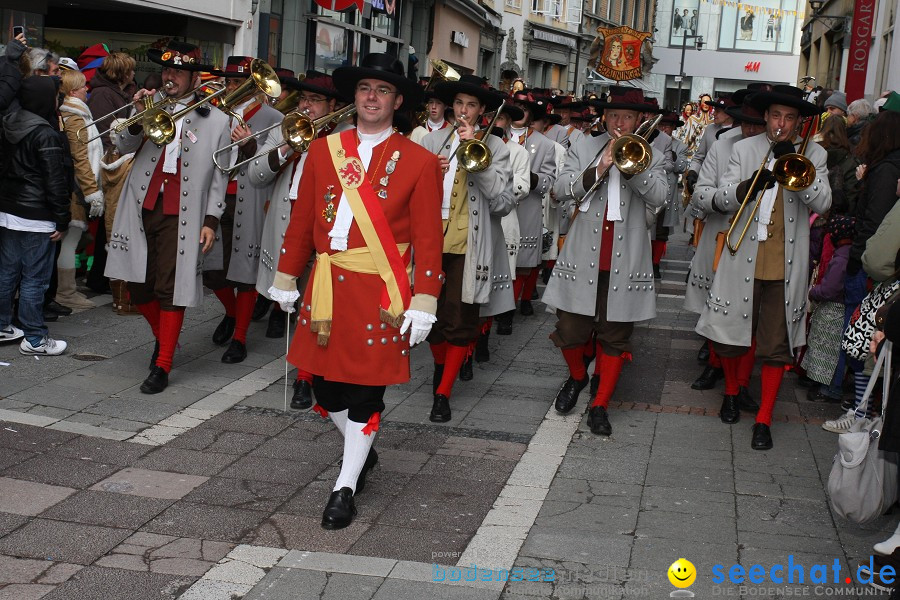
512 111
624 98
319 83
526 98
179 55
384 67
472 85
739 96
746 112
786 95
237 67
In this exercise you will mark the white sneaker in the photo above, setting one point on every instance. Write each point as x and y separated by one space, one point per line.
841 424
11 334
888 546
47 347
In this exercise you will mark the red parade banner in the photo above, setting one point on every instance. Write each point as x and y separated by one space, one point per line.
860 40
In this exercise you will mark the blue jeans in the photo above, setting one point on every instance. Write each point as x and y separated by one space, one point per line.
26 262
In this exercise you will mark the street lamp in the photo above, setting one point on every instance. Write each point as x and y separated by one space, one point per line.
832 21
699 45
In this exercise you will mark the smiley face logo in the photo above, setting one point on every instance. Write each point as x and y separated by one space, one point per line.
682 573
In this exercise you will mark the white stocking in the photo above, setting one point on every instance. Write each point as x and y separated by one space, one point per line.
356 449
340 421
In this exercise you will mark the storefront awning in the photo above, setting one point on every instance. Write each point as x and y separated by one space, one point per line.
593 77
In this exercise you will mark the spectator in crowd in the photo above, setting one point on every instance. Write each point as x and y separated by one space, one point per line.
14 65
859 114
836 104
43 62
882 256
112 87
841 166
34 212
86 158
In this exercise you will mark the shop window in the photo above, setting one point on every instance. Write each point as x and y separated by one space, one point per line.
685 21
767 26
32 22
332 47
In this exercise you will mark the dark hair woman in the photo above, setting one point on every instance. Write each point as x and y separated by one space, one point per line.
841 166
111 87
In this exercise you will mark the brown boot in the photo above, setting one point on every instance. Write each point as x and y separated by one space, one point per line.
67 292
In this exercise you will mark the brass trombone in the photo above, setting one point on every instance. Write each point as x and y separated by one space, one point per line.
297 129
132 120
792 171
159 125
474 156
440 72
631 153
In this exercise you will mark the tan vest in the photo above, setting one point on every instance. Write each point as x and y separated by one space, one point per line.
770 253
456 228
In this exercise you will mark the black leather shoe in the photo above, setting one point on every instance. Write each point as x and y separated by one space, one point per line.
703 353
155 354
340 510
762 437
526 308
707 379
504 326
371 461
730 413
436 378
817 395
302 397
598 421
745 402
275 329
156 381
535 295
261 307
465 371
50 316
482 353
55 307
568 394
656 272
237 352
595 383
440 410
224 331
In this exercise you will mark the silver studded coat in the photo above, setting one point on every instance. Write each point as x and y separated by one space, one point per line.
202 194
573 284
703 146
481 188
711 173
727 316
673 203
249 213
530 209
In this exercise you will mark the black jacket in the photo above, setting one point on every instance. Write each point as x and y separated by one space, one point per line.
34 183
890 435
876 199
10 76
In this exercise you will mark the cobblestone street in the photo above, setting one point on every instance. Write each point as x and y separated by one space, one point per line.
211 490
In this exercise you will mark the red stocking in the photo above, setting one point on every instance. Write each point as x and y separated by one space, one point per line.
304 376
771 377
659 250
714 360
610 369
747 362
439 352
575 359
732 367
150 310
244 310
518 282
530 284
226 297
454 360
170 322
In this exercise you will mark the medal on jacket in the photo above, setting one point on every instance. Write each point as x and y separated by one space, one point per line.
329 213
389 168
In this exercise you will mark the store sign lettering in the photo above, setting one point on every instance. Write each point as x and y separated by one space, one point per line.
860 39
459 38
752 67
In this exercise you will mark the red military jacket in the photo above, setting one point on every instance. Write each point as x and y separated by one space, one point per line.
362 349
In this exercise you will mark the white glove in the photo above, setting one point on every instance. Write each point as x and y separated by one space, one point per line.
96 209
284 298
418 324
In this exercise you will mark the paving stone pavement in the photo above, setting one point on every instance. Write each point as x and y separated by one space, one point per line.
213 491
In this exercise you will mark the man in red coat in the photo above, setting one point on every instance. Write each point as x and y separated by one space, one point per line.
360 194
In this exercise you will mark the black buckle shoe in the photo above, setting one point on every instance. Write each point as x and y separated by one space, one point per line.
224 331
730 413
465 371
371 461
340 510
302 397
436 378
237 352
568 394
156 381
482 353
762 437
745 402
57 308
595 383
598 421
155 354
275 329
526 308
707 379
440 410
260 308
703 353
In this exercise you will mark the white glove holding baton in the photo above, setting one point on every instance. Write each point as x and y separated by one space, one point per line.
418 323
284 298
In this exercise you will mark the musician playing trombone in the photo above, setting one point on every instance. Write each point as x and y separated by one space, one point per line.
284 166
759 292
469 192
169 208
231 267
603 277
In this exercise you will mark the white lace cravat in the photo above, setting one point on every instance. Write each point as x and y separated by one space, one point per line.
435 125
173 148
766 204
340 231
613 206
448 176
295 179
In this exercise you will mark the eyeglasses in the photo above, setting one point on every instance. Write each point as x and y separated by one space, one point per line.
366 89
312 99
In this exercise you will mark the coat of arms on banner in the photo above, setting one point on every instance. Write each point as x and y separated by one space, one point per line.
620 57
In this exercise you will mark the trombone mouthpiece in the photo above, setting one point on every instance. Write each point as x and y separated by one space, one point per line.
778 132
